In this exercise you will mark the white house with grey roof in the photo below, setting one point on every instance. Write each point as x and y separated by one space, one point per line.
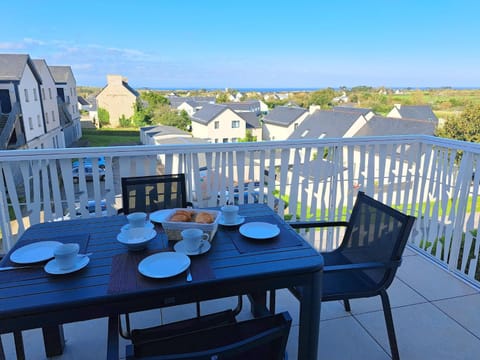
67 102
48 91
280 123
159 134
329 124
419 112
218 123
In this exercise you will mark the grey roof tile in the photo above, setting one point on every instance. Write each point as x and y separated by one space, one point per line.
12 67
60 73
381 126
208 112
325 123
361 111
283 115
252 120
419 112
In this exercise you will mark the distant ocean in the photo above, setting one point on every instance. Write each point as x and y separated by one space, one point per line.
308 89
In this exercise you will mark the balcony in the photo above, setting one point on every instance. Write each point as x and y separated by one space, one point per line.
435 296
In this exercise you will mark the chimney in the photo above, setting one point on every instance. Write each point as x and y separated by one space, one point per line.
114 79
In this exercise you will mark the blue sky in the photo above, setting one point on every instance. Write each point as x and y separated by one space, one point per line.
252 44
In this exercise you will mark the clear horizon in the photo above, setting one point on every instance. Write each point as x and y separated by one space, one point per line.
214 44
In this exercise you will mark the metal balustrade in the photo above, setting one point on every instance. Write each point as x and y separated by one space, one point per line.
431 178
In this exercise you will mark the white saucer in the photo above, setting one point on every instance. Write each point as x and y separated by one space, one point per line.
52 268
180 247
148 225
238 221
34 252
259 230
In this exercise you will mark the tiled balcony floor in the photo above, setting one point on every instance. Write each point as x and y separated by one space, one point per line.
436 316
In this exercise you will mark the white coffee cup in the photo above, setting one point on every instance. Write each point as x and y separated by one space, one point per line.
229 213
66 255
137 219
193 238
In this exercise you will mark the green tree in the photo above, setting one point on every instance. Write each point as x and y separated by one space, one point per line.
248 137
142 115
124 122
322 97
171 118
103 117
465 126
154 98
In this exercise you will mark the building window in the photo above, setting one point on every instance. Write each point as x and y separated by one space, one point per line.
43 93
234 139
35 98
39 122
225 140
26 95
30 123
216 141
295 126
50 93
216 125
68 100
53 116
71 91
235 124
73 109
46 117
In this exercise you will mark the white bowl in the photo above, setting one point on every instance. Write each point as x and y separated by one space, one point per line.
136 239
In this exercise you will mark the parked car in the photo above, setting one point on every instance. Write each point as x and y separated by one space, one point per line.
89 173
88 161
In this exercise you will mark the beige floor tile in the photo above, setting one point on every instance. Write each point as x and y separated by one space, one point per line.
423 332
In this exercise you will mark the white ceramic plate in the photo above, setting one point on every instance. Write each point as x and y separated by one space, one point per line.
148 225
164 264
160 216
52 267
180 247
259 230
149 235
34 252
238 221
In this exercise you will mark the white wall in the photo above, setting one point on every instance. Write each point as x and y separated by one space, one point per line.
31 109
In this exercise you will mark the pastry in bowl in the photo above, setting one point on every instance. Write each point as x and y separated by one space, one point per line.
204 218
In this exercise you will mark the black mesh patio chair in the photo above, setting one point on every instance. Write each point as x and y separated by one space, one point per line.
259 338
365 263
151 193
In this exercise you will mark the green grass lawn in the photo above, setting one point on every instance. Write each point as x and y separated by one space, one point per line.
111 137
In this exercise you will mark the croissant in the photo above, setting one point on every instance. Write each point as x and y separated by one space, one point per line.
204 218
180 217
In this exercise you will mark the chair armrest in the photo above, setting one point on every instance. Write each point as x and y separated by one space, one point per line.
362 266
314 224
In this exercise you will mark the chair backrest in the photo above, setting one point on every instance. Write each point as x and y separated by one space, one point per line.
260 338
376 233
151 193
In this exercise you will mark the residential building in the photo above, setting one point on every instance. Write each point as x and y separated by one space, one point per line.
22 123
253 124
282 121
83 104
48 91
419 112
329 124
156 135
118 98
67 103
245 106
218 123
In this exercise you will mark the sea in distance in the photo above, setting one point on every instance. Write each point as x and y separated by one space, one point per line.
306 89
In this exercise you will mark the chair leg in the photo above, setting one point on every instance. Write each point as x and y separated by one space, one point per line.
387 312
19 348
2 352
346 305
112 340
198 309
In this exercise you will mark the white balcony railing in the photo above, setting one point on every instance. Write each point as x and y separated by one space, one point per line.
304 179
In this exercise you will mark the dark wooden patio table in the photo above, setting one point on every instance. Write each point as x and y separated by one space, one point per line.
31 298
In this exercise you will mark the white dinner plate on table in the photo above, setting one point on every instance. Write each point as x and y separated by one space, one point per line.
34 252
52 267
238 221
180 247
164 264
160 216
148 225
259 230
